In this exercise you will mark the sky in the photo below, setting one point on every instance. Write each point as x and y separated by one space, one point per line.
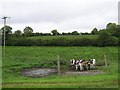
63 15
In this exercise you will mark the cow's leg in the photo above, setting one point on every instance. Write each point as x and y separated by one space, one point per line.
86 66
92 66
81 67
76 67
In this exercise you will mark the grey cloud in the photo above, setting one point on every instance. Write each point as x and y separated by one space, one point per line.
62 14
30 12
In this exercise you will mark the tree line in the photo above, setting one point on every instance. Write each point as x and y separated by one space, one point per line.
105 37
111 28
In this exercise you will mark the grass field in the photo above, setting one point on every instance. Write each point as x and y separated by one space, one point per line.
70 37
18 58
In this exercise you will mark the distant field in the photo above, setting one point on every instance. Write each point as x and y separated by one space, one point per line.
18 58
67 37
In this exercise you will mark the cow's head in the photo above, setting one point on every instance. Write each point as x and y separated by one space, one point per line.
72 61
94 61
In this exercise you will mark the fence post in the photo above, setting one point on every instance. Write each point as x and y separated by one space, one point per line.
105 59
58 64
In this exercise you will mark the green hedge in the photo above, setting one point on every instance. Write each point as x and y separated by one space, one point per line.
62 41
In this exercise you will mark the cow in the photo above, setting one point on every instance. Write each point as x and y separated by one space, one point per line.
79 64
73 62
92 63
84 65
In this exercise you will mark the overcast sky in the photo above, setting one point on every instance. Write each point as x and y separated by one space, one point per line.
63 15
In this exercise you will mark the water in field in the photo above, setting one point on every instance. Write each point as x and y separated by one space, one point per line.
39 72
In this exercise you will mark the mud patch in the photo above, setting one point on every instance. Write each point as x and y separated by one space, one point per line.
39 72
90 72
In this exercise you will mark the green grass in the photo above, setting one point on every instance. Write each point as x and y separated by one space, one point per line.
18 58
67 81
69 37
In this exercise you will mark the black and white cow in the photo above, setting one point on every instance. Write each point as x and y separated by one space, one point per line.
75 63
92 64
79 64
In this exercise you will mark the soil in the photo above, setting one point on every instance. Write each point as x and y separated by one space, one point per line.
90 72
41 72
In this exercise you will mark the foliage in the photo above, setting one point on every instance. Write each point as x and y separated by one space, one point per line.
94 31
85 40
104 39
75 33
111 28
117 31
7 32
18 33
28 31
55 32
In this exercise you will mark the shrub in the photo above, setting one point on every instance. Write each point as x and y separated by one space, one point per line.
103 39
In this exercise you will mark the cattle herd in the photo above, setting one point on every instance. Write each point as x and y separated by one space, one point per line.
83 64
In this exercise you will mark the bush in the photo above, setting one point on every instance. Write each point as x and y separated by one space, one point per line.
102 40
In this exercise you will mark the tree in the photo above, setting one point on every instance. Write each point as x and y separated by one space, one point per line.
85 33
103 38
36 34
94 31
28 31
8 31
117 31
18 33
75 33
110 28
64 33
55 32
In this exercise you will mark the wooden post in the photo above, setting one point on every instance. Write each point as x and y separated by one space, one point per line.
105 59
58 64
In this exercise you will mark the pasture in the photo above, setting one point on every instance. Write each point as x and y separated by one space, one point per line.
68 37
19 58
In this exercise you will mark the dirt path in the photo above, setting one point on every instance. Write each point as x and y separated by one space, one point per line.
90 72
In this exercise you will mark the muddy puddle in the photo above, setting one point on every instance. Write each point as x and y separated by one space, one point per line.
39 72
